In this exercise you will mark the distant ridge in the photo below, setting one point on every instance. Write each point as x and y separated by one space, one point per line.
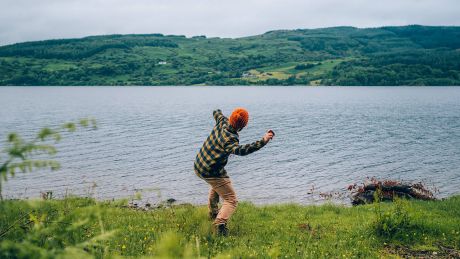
390 55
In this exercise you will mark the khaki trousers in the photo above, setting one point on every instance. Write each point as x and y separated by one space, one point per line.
221 187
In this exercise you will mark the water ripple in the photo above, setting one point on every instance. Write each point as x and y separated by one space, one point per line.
147 139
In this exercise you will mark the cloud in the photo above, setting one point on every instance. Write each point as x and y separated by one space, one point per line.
26 20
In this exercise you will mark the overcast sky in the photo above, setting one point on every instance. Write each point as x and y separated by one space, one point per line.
26 20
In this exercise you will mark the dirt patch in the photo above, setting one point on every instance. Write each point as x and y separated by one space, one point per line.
306 227
407 252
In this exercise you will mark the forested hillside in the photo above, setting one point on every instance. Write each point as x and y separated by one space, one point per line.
408 55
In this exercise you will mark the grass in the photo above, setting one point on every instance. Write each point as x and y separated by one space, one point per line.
83 227
320 70
58 66
407 55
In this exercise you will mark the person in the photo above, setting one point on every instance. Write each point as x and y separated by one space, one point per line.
212 158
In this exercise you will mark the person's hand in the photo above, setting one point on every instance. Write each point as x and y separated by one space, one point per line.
269 135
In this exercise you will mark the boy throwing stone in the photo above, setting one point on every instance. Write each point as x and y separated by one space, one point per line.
212 158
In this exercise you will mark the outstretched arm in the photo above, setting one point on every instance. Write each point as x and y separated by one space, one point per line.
232 146
218 116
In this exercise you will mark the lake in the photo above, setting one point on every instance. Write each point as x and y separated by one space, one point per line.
326 138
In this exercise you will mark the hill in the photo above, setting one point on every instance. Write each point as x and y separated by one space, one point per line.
406 55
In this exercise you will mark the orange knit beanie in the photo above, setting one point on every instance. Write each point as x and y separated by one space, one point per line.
239 118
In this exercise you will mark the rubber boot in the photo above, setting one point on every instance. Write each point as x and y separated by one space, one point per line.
221 229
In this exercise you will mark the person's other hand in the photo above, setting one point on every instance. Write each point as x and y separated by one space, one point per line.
269 135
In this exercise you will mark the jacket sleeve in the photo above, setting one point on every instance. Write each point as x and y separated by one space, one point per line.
232 146
218 116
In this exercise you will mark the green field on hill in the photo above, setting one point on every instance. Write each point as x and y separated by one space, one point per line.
406 55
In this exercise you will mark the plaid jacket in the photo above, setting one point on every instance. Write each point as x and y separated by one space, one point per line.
222 142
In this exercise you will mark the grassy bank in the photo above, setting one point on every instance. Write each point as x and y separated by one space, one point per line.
83 227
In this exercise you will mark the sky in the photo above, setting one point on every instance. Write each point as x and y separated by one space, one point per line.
29 20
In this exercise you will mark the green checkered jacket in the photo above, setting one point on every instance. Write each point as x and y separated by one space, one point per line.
222 142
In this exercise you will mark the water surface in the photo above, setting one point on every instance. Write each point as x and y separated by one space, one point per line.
326 137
